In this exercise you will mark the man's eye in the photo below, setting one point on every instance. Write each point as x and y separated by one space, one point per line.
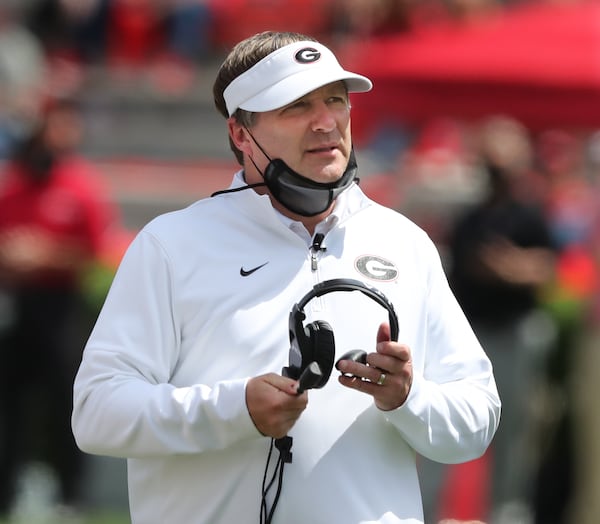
338 100
300 104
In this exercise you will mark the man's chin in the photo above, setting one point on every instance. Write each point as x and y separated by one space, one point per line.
330 173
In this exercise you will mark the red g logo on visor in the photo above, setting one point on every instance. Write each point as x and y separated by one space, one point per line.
306 55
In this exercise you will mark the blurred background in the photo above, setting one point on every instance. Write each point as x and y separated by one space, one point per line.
483 127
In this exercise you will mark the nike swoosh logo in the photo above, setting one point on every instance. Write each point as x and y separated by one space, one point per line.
245 273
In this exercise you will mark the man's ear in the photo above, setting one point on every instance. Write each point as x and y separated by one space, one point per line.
239 135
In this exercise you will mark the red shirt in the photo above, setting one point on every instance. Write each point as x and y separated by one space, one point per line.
70 208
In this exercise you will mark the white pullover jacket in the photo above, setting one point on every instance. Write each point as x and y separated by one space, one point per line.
163 376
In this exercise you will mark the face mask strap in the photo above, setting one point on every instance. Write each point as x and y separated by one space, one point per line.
261 150
276 169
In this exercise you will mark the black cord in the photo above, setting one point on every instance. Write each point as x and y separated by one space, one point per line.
236 189
263 503
280 464
284 445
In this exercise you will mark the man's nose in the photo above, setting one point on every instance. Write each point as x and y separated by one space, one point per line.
323 118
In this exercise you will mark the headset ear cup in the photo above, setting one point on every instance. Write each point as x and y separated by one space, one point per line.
323 348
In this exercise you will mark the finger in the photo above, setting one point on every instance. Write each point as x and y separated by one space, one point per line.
384 333
351 368
361 384
283 384
392 349
353 382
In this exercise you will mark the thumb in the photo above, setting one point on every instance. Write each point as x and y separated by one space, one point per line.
384 333
283 384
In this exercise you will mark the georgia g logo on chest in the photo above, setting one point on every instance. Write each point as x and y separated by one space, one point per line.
376 268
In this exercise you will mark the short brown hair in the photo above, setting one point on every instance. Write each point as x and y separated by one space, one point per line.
242 57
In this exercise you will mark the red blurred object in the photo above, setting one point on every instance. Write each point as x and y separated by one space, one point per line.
134 32
539 63
578 273
235 20
466 492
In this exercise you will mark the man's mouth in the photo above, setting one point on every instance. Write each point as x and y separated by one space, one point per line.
323 149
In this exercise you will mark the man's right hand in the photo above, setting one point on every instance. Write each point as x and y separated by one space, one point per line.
273 403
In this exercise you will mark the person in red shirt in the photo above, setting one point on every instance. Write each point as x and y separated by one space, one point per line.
55 219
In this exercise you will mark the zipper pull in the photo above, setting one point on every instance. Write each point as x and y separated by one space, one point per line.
315 248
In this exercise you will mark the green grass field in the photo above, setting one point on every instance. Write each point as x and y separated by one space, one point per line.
99 518
36 500
106 518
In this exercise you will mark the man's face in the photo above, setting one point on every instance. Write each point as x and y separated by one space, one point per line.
312 134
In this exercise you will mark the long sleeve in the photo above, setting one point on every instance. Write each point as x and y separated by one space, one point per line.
453 408
124 404
163 376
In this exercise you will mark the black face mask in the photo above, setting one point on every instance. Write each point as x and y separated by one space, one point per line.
36 160
301 195
40 164
297 193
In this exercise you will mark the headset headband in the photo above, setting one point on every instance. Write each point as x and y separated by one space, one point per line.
348 284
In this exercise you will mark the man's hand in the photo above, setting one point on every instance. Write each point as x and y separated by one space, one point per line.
387 376
273 403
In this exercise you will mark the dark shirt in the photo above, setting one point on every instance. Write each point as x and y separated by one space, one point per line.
486 300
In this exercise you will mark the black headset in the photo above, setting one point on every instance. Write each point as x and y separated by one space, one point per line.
312 352
312 348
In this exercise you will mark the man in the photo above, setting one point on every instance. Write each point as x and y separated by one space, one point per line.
503 258
182 372
56 219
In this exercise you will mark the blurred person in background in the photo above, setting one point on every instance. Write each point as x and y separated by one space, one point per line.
135 35
22 72
186 43
156 41
189 29
360 19
55 218
502 256
571 206
569 201
73 36
584 386
70 30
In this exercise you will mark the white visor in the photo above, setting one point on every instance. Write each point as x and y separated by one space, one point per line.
288 74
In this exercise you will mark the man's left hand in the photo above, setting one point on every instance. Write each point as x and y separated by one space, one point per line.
387 376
